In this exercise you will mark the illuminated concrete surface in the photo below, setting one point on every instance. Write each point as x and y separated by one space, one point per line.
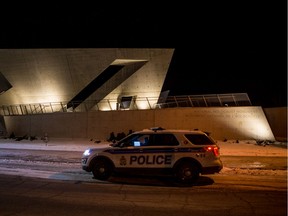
57 75
223 122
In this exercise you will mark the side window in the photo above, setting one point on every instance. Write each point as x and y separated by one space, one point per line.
138 140
129 141
135 140
143 140
163 140
199 139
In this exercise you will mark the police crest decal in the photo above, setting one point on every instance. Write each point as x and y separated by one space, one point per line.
122 161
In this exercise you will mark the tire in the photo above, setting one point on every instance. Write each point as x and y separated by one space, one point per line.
186 173
102 169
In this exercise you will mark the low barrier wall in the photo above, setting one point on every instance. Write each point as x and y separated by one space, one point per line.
277 118
222 122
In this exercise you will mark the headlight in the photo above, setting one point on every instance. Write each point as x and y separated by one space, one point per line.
86 152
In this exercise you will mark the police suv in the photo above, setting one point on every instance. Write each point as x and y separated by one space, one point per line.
183 154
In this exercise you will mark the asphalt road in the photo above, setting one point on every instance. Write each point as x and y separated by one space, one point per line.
32 196
35 182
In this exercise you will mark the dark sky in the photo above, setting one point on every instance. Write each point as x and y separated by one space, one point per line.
220 46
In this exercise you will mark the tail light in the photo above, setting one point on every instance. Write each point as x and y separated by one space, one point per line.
214 149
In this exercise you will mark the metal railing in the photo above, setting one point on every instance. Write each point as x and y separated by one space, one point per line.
139 103
209 100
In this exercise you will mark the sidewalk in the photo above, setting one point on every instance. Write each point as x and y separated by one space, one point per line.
54 144
229 148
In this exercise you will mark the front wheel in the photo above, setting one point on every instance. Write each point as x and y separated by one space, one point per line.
186 173
102 169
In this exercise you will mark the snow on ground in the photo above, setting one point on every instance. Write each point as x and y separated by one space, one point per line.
57 144
227 148
251 148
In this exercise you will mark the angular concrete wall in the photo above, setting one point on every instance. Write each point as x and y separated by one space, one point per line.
57 75
224 123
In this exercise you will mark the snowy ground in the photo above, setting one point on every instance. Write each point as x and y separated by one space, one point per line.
251 148
228 148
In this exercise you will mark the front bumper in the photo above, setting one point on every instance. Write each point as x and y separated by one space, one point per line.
86 168
84 165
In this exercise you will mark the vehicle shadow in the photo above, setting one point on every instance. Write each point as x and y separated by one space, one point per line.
165 181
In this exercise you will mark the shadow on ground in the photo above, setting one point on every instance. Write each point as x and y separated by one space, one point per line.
165 181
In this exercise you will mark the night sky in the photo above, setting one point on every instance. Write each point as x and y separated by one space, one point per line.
220 46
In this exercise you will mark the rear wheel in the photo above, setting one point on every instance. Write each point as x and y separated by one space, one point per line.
102 169
186 172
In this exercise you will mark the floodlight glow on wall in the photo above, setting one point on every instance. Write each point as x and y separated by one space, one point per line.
244 121
142 105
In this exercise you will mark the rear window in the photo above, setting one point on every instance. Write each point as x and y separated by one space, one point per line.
199 139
